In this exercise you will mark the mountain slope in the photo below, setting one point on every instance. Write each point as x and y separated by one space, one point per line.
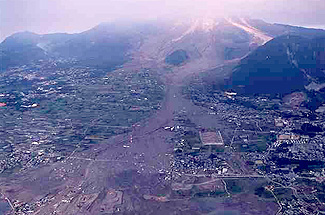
258 35
205 42
283 65
276 30
19 49
106 45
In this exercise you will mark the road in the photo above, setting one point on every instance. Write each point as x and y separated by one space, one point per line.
143 166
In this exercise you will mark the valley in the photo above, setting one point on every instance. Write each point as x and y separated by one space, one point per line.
151 137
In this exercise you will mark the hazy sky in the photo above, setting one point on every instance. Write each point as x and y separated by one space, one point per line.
48 16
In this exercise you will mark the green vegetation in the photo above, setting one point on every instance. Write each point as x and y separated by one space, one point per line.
280 193
117 101
263 193
177 57
283 193
209 194
191 139
235 186
258 145
196 192
74 107
320 187
269 70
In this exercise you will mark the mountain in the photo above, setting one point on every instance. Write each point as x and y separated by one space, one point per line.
111 44
201 43
105 45
276 30
20 48
283 65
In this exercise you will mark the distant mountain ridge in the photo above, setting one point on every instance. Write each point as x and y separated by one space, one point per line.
109 45
105 45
